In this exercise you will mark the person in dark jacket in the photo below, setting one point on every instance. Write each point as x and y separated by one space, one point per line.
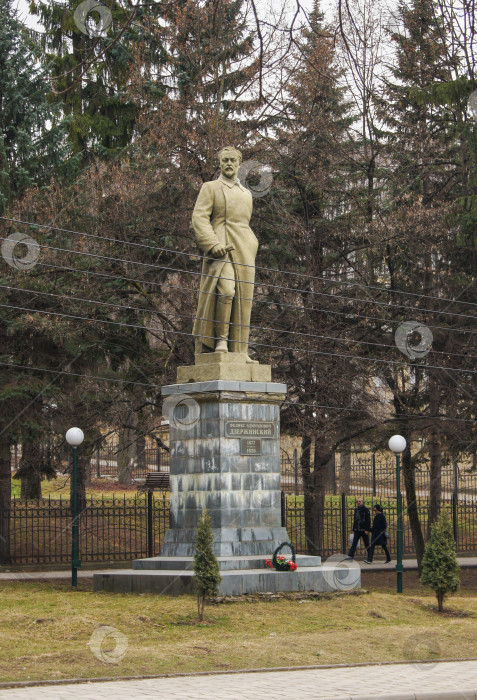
378 535
361 526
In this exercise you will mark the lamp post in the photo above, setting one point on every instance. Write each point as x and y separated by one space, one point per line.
397 444
74 437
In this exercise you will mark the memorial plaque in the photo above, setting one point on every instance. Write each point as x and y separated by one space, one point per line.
249 429
250 446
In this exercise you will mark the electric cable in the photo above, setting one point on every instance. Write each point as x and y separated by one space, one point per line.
266 284
260 328
256 300
256 267
296 404
267 345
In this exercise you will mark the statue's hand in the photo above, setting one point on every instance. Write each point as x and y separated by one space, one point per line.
218 251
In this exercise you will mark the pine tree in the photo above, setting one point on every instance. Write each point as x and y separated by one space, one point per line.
206 566
304 226
90 71
420 147
440 568
31 131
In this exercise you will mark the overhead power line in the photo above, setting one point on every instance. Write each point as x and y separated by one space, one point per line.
127 307
256 300
256 267
266 284
296 404
266 345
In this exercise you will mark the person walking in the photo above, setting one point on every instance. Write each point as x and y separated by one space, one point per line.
361 526
378 535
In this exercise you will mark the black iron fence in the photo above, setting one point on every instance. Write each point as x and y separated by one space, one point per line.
373 475
338 519
113 529
150 459
110 529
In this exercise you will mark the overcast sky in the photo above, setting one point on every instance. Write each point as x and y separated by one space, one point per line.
30 21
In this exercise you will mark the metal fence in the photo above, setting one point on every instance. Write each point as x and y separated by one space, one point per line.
374 475
110 529
122 529
150 459
338 521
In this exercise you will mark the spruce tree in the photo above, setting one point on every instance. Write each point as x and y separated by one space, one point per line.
206 566
90 66
440 568
30 128
304 225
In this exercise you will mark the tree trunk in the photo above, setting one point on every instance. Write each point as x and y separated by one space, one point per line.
30 469
127 450
345 467
305 464
435 486
5 498
440 601
435 453
320 461
141 451
412 509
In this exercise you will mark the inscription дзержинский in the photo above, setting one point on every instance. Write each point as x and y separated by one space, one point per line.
252 429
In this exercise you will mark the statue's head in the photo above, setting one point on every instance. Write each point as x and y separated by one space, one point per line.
230 159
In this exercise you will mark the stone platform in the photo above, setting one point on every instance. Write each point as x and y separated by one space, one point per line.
231 366
224 456
240 576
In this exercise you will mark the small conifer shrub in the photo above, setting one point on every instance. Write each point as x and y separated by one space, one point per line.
206 566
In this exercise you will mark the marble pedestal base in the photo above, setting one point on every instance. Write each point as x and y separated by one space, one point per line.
240 576
225 456
230 366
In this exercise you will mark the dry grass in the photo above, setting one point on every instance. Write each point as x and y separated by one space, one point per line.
46 628
98 487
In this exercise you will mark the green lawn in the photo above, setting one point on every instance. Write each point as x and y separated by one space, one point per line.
47 631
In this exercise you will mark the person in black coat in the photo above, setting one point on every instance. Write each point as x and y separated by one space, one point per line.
361 526
378 535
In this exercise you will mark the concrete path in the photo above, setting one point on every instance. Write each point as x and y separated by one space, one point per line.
449 681
377 565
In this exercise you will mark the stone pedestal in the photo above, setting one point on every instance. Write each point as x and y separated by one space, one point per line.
227 459
225 456
231 366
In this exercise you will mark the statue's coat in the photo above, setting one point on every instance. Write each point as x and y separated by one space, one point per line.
222 215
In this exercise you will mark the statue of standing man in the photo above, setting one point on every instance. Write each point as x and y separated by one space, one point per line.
221 220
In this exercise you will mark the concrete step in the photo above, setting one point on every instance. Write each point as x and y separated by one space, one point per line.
234 582
225 563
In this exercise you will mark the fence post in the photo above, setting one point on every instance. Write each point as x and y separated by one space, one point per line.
333 473
344 538
456 476
283 509
295 464
374 474
454 515
158 458
150 543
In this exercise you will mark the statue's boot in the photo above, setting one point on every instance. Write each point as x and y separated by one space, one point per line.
223 310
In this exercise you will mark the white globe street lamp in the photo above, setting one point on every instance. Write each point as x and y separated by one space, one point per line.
74 437
397 444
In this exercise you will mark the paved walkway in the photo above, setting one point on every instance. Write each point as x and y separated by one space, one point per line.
377 565
450 681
